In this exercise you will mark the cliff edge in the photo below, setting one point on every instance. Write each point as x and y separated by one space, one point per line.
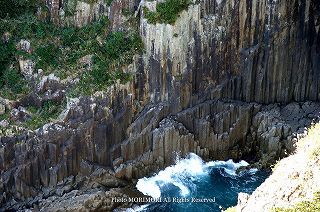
294 183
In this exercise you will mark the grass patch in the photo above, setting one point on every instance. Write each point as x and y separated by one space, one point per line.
304 206
50 111
311 143
5 116
12 84
231 209
116 52
11 80
14 8
166 12
60 50
314 137
108 2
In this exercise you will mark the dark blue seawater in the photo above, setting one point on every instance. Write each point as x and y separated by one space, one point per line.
217 183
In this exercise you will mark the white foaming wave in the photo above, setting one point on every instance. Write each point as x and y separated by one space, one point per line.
191 167
229 166
137 208
253 170
148 186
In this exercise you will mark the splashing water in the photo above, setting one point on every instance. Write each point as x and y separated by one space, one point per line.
193 178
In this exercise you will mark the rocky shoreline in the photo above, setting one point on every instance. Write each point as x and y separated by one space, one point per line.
270 123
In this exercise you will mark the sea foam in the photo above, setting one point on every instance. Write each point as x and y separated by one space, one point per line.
183 173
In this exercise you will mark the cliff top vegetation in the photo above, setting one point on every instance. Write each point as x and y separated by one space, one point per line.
86 59
166 12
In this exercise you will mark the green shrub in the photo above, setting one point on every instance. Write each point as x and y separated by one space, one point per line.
7 53
166 12
117 51
14 8
99 73
118 44
70 7
5 116
12 84
11 81
58 49
108 2
69 36
48 112
47 55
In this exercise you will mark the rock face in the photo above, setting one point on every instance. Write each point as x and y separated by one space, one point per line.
294 179
80 13
201 86
244 50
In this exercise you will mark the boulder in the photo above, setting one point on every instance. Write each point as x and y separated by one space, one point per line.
20 114
4 123
24 45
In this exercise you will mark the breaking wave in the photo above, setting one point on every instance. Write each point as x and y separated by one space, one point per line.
192 177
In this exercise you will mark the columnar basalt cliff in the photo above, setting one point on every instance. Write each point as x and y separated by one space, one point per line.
230 79
244 50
